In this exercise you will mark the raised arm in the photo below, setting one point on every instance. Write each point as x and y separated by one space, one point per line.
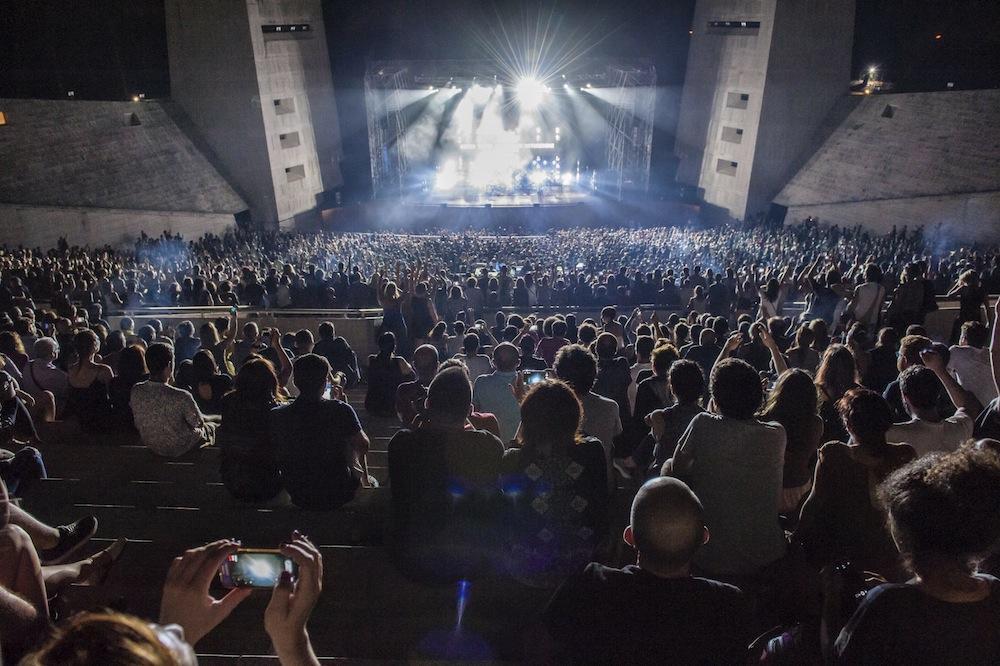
959 396
284 363
777 358
995 345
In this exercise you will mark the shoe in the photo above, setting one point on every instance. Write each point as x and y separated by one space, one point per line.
71 538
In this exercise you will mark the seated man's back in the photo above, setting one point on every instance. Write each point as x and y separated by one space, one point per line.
445 485
312 438
654 611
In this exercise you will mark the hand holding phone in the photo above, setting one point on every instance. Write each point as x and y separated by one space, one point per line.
186 598
533 376
255 567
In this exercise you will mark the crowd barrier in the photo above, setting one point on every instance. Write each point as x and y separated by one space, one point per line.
359 326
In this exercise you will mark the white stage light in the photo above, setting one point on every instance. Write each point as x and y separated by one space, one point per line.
538 178
479 94
447 176
529 93
567 179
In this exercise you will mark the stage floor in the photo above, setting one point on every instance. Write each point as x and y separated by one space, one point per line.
555 198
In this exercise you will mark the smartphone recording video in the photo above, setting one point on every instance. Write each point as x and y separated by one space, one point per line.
255 567
533 376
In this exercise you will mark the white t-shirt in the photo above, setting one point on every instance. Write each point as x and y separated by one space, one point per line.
971 368
601 419
868 299
926 437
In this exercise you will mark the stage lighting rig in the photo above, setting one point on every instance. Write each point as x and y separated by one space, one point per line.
530 93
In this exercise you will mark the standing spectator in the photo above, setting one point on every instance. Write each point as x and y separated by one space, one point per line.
250 343
882 369
687 385
734 463
209 384
644 345
555 486
444 482
167 418
655 611
973 302
492 393
865 305
837 375
320 445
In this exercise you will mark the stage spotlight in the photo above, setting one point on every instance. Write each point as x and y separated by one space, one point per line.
480 95
537 178
589 86
566 86
529 93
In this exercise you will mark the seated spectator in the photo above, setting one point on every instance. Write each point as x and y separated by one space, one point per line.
555 486
943 516
386 372
87 397
304 343
21 468
187 345
970 362
529 361
477 363
549 345
320 445
687 385
927 431
410 396
167 418
839 519
22 574
43 381
654 611
576 366
613 374
794 403
209 384
220 345
444 482
131 370
12 347
324 346
492 393
249 463
734 463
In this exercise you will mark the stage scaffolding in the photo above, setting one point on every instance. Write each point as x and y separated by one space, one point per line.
625 91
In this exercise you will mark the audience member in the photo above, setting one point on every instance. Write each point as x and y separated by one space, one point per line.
444 482
493 393
319 442
167 418
656 609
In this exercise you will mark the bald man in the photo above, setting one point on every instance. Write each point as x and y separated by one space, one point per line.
492 393
654 611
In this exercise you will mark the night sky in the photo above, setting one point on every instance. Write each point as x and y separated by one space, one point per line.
112 49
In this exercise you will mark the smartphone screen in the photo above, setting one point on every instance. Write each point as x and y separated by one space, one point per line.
249 567
533 376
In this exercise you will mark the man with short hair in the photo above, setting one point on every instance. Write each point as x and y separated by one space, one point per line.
577 366
320 445
304 342
909 354
492 393
167 418
477 364
410 396
529 361
41 375
654 610
444 481
644 345
249 344
970 362
735 464
550 345
927 431
324 346
705 352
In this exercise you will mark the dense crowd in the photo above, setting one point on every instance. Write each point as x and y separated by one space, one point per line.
835 473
